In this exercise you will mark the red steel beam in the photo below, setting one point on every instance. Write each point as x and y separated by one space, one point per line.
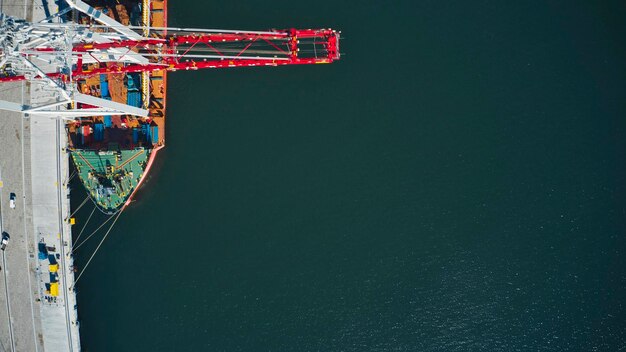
328 38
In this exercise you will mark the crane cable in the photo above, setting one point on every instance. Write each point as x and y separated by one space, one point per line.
96 251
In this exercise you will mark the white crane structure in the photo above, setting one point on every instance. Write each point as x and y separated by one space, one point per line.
31 50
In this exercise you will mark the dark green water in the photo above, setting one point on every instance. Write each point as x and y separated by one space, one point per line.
455 183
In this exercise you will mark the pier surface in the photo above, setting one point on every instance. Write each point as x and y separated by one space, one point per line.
34 166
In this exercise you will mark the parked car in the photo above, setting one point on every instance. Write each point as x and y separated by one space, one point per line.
4 241
12 200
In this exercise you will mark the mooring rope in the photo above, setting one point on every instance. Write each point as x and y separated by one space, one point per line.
85 226
80 206
71 176
93 233
94 252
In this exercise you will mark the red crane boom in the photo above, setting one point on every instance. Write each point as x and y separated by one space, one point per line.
180 50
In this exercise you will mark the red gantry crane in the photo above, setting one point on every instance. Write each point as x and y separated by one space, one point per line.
58 53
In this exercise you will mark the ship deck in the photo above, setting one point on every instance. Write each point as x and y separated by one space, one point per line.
110 177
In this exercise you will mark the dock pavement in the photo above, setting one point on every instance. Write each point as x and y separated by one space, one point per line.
35 167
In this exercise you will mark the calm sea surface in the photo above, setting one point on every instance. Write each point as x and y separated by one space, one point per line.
455 183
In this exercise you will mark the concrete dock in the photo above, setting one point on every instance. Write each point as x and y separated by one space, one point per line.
34 166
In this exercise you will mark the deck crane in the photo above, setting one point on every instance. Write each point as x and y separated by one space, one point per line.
58 53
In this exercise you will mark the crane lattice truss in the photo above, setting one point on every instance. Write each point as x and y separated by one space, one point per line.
59 53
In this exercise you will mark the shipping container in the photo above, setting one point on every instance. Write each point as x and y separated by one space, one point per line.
86 131
155 134
98 132
104 89
104 86
145 130
107 121
135 135
133 98
85 134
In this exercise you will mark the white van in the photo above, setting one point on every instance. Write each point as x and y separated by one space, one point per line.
12 200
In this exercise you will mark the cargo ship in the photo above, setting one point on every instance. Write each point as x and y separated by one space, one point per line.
113 154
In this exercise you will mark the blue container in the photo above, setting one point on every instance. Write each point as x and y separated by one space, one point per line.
155 134
133 98
135 135
104 89
98 132
107 121
145 129
104 86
